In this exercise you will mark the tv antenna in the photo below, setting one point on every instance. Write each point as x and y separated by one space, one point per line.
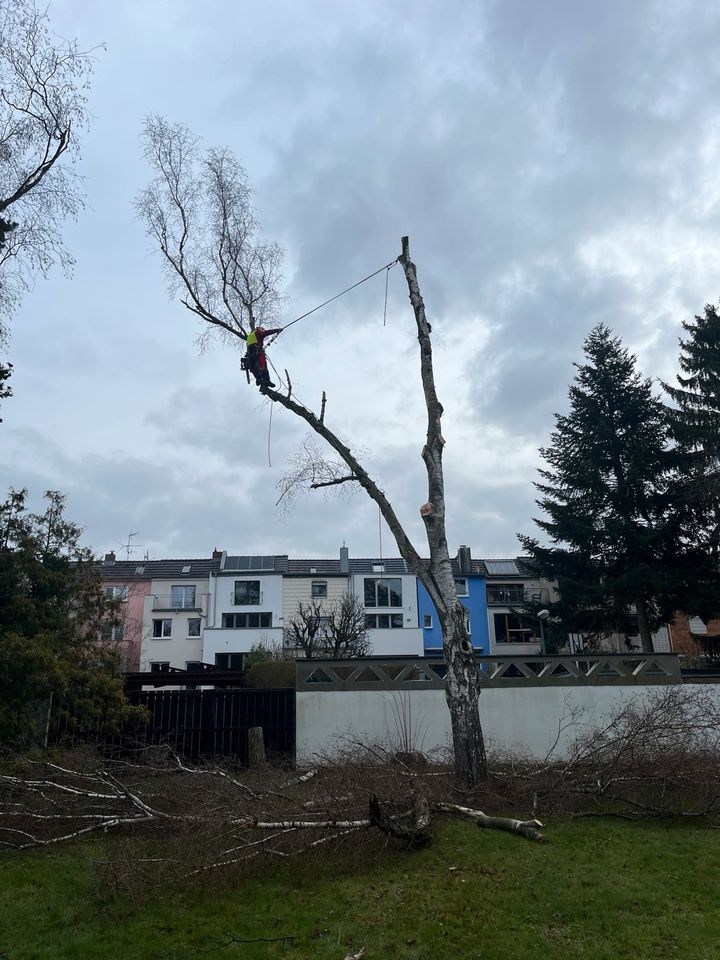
128 547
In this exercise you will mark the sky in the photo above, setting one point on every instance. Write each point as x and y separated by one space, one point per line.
555 166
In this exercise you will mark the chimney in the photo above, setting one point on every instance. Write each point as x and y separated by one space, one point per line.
217 554
344 559
464 559
109 557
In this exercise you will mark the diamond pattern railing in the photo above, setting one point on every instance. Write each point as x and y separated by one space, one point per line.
413 673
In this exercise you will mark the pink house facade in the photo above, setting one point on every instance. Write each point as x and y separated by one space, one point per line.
127 581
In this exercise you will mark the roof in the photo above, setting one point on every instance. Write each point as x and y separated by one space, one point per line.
125 570
157 569
394 566
254 563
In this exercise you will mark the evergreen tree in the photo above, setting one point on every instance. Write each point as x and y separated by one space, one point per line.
606 497
52 615
695 423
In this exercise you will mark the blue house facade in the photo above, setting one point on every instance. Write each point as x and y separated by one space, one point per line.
472 593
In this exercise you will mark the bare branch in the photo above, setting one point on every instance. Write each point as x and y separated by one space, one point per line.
331 483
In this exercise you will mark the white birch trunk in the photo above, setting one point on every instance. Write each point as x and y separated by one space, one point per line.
463 686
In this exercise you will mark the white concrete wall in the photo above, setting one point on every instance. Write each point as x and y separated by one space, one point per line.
525 719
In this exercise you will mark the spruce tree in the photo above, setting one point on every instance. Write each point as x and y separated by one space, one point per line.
695 424
605 496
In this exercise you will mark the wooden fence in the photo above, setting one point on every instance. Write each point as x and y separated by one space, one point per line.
194 723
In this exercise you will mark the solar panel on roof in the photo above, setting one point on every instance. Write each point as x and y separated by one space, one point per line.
502 568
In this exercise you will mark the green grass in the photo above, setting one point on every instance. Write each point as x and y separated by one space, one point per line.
599 889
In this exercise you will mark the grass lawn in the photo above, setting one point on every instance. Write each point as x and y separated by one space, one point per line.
599 889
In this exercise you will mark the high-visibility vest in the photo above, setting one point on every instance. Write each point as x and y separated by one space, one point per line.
251 339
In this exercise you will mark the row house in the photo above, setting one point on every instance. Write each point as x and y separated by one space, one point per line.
246 608
509 585
164 607
185 613
257 596
491 591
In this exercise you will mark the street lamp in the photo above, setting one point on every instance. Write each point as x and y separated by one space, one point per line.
542 616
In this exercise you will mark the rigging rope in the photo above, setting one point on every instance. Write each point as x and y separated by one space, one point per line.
342 293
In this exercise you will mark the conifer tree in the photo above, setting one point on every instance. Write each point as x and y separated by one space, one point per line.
52 614
695 424
605 495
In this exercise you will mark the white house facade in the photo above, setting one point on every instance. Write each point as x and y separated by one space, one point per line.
175 613
245 608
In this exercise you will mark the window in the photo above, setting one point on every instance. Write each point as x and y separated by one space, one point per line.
160 666
378 568
509 629
116 593
461 586
505 593
139 570
427 621
246 621
182 598
162 629
383 621
194 666
247 592
319 588
186 568
193 627
383 593
229 661
112 633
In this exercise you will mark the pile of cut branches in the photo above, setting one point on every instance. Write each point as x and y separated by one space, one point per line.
656 756
192 819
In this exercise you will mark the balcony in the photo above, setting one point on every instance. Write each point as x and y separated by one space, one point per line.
509 595
175 604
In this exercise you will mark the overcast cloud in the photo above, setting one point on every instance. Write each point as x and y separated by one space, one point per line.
555 165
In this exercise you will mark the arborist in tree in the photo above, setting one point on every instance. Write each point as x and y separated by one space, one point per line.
255 359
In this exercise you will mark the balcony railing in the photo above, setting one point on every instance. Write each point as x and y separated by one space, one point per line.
516 596
175 603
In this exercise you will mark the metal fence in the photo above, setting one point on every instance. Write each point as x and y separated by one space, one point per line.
194 723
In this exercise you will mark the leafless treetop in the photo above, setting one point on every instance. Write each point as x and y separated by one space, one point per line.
198 209
43 81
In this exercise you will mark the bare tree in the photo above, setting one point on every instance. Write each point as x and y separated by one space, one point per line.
322 628
305 630
198 210
346 631
42 106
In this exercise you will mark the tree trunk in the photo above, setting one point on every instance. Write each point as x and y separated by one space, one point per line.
644 627
462 684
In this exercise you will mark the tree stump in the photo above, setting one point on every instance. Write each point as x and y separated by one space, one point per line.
256 747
